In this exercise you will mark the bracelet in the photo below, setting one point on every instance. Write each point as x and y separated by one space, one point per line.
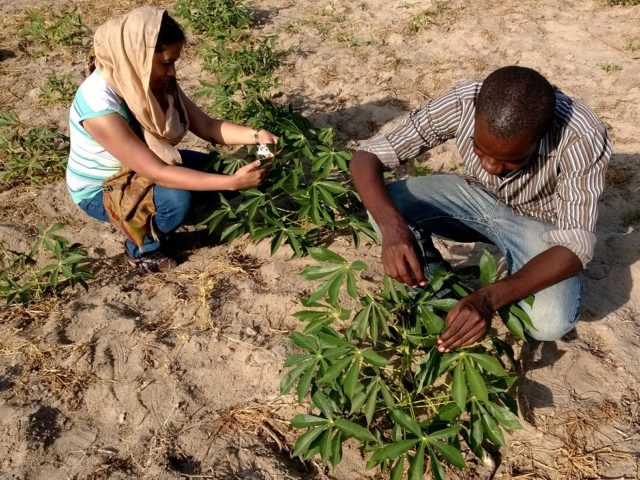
256 134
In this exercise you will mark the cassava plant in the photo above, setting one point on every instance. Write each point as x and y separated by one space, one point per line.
307 196
49 30
23 278
30 155
373 373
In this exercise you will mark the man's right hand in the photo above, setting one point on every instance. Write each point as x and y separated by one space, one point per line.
250 175
399 256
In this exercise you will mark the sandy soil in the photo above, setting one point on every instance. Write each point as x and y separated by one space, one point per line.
176 376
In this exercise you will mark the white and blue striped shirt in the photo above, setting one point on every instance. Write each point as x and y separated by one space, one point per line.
89 163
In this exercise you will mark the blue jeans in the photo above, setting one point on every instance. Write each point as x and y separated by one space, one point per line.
172 207
449 207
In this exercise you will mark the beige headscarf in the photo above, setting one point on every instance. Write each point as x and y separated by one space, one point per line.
124 48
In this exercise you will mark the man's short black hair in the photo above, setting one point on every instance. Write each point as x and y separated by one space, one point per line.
515 100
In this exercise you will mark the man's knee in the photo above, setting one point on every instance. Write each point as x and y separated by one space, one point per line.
552 320
550 332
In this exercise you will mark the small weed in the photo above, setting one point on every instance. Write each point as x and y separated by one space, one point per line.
632 44
63 29
610 67
57 89
623 3
421 20
428 18
418 170
31 155
631 217
292 28
337 17
353 41
22 280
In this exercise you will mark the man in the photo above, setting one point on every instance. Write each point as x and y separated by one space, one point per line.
534 168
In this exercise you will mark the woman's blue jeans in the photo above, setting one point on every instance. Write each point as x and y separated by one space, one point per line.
449 207
172 207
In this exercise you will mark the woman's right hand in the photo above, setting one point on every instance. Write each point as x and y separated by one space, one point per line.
250 175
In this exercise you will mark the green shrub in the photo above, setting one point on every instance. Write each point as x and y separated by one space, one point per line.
58 29
31 155
23 281
307 197
58 89
214 18
374 373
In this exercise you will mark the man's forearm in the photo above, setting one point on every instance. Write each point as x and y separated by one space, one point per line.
548 268
367 173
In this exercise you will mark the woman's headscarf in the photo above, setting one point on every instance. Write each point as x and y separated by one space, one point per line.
124 48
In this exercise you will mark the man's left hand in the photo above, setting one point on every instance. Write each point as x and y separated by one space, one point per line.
467 322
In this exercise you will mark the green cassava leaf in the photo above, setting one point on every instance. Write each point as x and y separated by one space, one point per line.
476 382
406 422
391 450
304 421
488 268
449 453
303 443
459 387
416 469
488 363
354 430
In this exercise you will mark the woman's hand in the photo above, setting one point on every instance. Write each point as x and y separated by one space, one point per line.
265 137
250 175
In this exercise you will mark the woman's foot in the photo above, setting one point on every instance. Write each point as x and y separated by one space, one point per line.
153 262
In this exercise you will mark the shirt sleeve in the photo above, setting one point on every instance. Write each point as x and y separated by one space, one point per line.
423 129
583 167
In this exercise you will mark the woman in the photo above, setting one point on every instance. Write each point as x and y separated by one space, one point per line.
125 121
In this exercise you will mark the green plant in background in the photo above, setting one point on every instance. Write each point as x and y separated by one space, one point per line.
422 20
427 18
30 155
374 373
610 67
22 280
307 196
624 3
632 44
58 89
57 29
214 18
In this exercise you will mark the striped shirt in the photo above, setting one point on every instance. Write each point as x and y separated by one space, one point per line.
561 184
89 163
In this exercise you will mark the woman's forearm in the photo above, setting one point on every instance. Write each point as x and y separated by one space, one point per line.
182 178
229 133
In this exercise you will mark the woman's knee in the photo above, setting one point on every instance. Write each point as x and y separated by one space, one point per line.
172 207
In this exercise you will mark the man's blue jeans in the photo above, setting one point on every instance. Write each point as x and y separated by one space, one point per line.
449 207
172 207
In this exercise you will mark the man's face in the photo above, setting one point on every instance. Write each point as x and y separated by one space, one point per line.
163 68
498 155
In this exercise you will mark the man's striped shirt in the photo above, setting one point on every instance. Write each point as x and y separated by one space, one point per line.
561 184
89 163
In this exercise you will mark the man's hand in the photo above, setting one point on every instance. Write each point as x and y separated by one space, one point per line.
467 322
399 256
